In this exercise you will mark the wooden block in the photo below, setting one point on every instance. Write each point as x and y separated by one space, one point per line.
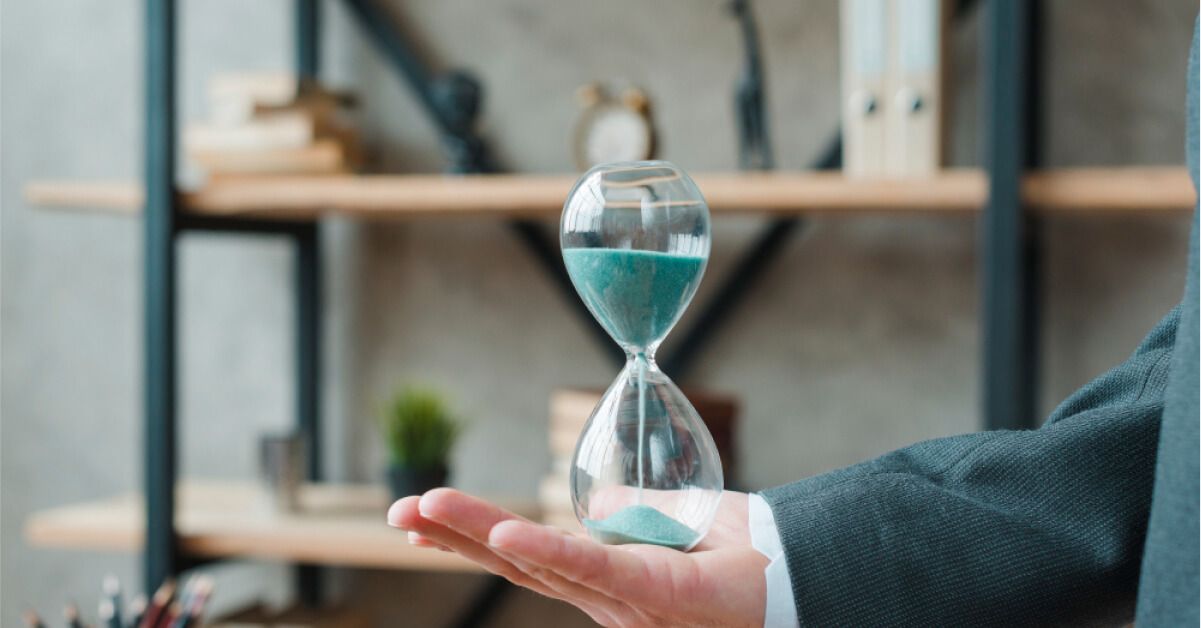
324 156
554 500
554 494
563 439
572 407
236 98
561 465
719 413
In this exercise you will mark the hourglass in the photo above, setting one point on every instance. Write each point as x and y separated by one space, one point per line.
635 240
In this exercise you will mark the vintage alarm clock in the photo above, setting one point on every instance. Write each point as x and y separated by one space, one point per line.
612 128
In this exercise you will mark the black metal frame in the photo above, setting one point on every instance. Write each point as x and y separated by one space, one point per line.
161 558
452 100
1008 242
164 224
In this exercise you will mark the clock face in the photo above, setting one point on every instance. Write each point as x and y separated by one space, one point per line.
615 133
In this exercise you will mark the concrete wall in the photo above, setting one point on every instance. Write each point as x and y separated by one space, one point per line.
862 339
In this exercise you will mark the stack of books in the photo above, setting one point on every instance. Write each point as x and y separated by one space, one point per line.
569 411
263 124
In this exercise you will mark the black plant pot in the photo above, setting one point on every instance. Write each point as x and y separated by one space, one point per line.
405 481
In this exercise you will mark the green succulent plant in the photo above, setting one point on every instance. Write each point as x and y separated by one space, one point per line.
418 429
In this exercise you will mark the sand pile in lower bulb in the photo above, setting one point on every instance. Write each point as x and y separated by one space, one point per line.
641 524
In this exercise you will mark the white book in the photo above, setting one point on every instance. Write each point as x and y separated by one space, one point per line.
294 129
232 97
325 156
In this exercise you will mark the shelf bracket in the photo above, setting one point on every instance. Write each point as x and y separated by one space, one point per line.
754 153
452 100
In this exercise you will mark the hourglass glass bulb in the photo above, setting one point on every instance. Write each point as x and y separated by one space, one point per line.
635 240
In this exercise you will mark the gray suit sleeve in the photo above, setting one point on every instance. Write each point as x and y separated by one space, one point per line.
988 529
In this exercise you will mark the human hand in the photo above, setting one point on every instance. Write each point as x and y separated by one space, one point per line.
718 583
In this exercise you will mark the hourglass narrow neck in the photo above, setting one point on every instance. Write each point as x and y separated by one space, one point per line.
642 359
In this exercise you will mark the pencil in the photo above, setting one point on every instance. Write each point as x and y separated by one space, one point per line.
71 614
200 596
112 591
184 598
108 615
174 612
137 609
158 605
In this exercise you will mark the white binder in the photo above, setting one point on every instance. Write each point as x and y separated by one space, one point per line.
892 74
864 76
914 108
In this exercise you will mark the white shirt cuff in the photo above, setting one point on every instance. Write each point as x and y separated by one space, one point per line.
780 611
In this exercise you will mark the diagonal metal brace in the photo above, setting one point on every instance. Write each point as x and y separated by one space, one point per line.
741 279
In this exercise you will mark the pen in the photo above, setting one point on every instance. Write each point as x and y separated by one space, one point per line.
32 620
137 609
71 614
157 606
174 613
200 595
108 615
112 591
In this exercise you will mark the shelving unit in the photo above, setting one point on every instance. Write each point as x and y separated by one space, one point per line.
343 526
336 525
398 197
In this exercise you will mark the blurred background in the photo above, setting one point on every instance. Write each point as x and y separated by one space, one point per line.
861 336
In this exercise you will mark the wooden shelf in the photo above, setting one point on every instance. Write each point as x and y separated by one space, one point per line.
379 197
1144 188
339 525
113 196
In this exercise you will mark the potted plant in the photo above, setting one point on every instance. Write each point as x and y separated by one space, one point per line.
419 433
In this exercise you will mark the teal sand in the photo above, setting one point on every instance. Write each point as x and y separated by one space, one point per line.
636 295
641 524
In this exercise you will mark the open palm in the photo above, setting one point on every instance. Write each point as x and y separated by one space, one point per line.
719 583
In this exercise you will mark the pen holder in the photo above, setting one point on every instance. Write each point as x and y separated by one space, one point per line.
281 459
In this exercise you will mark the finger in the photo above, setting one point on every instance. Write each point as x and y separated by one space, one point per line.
475 518
403 514
421 541
470 516
600 607
614 572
